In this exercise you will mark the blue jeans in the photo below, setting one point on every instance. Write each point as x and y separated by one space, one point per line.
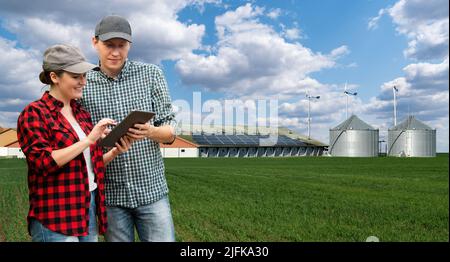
39 233
153 223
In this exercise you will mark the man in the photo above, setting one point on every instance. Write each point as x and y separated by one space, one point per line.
136 188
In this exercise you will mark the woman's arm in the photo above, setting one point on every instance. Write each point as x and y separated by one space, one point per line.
34 139
65 155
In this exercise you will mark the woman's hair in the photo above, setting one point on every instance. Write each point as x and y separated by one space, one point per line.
47 79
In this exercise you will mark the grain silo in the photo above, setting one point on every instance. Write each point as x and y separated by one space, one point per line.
412 138
353 138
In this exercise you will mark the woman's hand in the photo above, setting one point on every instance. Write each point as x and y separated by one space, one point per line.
106 132
124 146
100 130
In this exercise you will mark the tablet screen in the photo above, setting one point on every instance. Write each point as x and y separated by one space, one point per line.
134 117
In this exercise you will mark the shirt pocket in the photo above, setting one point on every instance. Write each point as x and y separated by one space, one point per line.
61 137
144 104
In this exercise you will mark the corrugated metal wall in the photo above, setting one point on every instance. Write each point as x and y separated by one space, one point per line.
354 143
412 143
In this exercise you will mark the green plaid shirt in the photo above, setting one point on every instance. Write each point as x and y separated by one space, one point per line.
136 177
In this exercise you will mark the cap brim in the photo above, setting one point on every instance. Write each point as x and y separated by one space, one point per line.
80 68
111 35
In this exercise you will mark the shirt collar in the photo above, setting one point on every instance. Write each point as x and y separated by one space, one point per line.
55 105
122 73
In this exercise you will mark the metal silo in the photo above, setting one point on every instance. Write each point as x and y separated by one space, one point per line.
353 138
412 138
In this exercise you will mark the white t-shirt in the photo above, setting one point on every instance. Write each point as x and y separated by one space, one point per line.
87 157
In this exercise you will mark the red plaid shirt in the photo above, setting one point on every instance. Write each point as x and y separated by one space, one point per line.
59 196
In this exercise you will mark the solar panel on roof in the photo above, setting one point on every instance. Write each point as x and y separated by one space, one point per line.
247 140
227 140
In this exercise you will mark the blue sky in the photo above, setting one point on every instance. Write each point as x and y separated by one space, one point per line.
256 49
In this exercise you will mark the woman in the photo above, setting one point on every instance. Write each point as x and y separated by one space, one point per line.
65 164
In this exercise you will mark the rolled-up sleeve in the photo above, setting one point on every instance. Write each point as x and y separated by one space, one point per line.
162 102
33 136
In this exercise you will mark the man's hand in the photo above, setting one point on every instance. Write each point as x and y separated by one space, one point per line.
160 134
141 131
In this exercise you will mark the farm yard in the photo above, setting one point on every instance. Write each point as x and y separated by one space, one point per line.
301 199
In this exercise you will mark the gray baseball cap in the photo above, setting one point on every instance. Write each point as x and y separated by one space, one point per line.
64 57
113 26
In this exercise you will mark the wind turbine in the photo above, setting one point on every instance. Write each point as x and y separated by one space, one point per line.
309 114
395 90
347 94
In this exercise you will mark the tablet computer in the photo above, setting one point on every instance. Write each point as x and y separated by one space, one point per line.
134 117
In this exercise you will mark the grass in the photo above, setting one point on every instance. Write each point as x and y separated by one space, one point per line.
13 200
284 199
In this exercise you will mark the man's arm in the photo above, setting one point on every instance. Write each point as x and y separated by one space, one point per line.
163 130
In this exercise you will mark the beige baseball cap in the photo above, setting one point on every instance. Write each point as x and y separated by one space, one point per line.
64 57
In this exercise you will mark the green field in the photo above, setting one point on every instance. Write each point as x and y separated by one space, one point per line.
284 199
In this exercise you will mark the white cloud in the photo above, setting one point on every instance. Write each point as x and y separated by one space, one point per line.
19 84
292 33
8 119
157 32
326 112
274 13
19 69
373 22
252 59
167 39
427 76
420 79
329 108
34 32
423 90
339 52
244 18
426 24
11 102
